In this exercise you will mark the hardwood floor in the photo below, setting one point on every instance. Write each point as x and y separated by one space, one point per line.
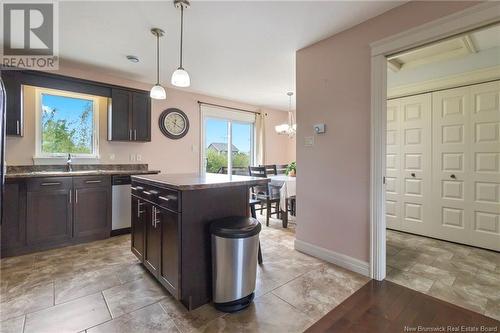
383 306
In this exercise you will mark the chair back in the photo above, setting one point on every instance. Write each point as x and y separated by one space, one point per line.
270 169
281 169
261 172
237 171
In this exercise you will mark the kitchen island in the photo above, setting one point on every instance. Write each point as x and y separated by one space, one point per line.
171 214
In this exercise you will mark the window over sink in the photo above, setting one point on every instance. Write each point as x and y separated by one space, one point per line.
66 123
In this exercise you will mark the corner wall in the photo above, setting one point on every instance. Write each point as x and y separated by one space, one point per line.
333 87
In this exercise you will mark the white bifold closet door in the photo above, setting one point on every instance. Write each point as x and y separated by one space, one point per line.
443 165
408 177
466 165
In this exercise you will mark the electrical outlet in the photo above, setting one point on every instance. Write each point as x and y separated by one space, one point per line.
132 158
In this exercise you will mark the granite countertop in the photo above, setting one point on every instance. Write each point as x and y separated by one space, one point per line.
34 174
33 171
196 181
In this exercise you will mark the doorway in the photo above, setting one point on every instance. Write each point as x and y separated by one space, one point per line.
469 20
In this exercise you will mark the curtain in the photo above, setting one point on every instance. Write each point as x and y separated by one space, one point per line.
260 139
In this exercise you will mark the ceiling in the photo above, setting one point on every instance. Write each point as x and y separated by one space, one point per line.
240 50
453 48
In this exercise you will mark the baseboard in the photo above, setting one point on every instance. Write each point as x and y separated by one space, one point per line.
342 260
121 231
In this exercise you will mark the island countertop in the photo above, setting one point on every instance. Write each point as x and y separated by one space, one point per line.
198 181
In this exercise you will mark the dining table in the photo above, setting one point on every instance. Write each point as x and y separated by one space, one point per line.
287 188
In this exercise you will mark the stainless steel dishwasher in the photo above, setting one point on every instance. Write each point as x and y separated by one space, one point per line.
121 202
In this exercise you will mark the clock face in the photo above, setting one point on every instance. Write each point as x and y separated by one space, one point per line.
174 123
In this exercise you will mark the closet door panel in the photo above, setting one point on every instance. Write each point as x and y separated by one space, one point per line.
485 163
393 166
451 164
415 112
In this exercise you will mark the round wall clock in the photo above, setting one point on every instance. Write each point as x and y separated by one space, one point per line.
174 123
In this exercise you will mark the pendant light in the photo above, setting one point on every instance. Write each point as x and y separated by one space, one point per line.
291 128
180 78
157 91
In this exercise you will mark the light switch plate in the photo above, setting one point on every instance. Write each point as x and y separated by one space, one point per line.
309 141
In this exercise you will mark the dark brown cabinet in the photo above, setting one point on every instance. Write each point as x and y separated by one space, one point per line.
14 216
129 116
92 213
169 268
13 117
49 213
138 227
156 234
152 252
43 213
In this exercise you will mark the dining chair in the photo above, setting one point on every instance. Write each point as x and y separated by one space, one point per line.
266 194
270 169
253 203
281 169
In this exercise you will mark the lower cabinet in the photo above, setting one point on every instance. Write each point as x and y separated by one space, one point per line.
49 213
169 268
14 217
156 241
44 213
152 252
138 216
92 213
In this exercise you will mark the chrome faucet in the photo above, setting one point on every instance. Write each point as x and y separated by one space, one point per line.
69 167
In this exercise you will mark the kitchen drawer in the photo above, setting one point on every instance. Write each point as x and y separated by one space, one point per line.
49 183
169 199
92 181
163 197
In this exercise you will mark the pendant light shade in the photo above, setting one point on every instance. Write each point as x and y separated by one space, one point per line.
157 91
180 78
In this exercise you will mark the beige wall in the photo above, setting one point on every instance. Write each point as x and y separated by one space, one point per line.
161 153
333 87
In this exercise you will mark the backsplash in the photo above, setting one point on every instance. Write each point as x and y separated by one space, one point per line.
75 167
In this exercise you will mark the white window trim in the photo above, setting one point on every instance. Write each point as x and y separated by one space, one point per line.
44 157
233 117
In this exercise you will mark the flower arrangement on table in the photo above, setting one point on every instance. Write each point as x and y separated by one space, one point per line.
291 170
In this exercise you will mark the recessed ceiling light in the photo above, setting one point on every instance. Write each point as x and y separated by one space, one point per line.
132 58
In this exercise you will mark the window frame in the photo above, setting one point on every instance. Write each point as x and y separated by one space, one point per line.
231 116
39 154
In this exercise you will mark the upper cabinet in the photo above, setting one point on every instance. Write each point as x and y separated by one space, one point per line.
13 119
129 116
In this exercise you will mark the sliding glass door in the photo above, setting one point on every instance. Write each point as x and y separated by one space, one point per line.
228 142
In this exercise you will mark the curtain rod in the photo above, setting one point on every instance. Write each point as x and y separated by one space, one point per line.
227 107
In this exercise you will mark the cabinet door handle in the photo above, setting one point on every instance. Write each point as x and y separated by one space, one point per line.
50 184
18 127
453 177
163 198
70 195
135 135
413 174
146 192
93 181
130 134
139 211
76 196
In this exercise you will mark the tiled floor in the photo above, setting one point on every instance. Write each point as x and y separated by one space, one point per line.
100 287
462 275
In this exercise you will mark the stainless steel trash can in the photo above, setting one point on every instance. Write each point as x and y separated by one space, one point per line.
235 244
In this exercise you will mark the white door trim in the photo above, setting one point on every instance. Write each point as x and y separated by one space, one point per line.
471 18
